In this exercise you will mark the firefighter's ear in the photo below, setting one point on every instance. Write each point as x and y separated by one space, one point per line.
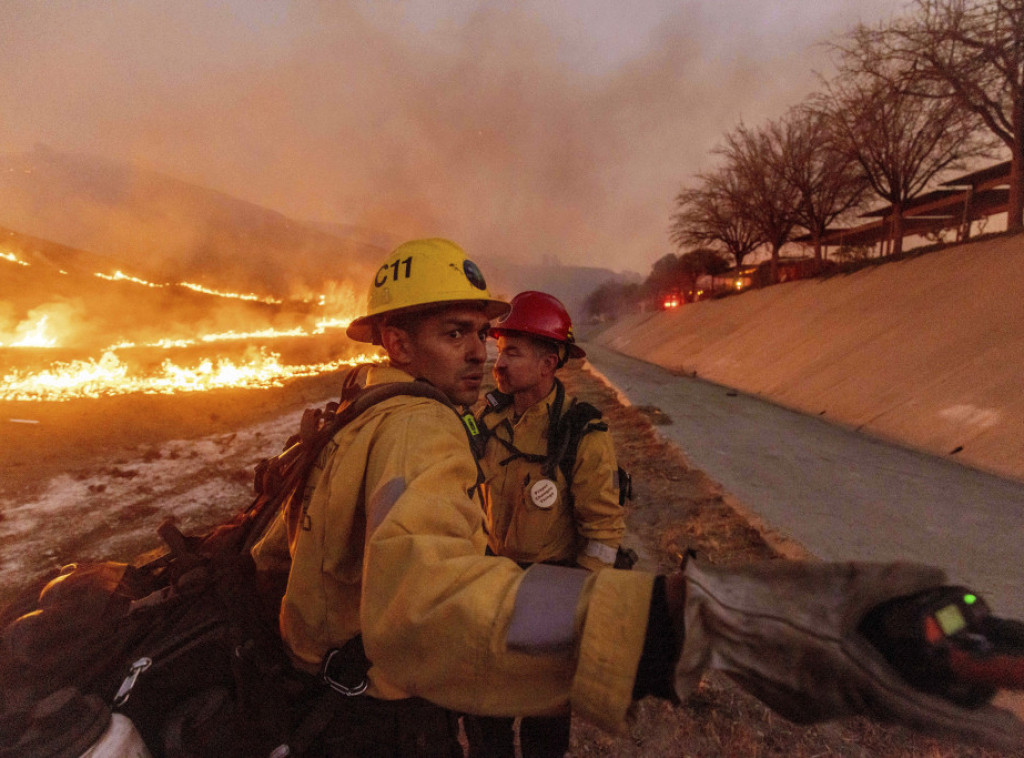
551 360
397 343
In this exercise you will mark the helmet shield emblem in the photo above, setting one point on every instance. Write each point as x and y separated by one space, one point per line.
473 274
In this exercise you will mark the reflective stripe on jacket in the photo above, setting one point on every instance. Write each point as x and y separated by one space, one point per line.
529 521
392 548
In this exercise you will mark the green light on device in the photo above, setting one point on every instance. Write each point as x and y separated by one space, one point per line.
970 599
950 620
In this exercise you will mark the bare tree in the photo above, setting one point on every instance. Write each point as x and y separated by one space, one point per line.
763 196
707 215
825 177
971 51
900 141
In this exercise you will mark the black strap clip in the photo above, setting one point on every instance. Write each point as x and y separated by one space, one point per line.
336 672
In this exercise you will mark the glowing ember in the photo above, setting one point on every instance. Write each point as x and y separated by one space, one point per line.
119 276
13 258
110 376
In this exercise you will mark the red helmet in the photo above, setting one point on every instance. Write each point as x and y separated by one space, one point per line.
540 315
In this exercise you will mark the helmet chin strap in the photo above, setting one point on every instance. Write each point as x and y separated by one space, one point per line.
563 354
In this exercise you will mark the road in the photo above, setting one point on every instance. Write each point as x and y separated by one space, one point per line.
840 494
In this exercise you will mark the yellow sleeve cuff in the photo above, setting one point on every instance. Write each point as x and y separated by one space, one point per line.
610 648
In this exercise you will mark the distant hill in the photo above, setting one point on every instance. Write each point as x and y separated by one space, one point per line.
165 228
570 284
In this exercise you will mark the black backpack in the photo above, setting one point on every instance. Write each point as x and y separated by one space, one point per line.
186 644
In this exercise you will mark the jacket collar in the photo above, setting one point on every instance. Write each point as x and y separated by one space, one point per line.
383 374
540 408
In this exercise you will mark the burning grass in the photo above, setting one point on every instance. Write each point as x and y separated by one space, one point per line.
75 332
110 375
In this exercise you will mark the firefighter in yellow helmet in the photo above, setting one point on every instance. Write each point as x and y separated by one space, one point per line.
392 601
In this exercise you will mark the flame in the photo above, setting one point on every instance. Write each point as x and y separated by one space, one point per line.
238 296
115 374
325 324
36 335
109 375
120 276
321 327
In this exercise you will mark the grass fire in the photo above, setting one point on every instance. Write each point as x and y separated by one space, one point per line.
67 332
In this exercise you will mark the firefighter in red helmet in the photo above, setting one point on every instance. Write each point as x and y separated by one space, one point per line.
577 520
543 317
551 492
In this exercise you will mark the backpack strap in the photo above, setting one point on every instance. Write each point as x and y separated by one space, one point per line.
565 430
280 481
580 419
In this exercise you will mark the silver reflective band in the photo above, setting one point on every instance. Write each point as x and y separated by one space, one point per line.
602 552
381 501
544 615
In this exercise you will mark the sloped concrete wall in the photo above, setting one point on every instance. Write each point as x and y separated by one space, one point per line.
928 351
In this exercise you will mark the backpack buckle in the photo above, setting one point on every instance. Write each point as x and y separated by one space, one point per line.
125 690
332 673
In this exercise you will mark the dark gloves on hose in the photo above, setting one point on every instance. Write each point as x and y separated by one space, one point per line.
787 632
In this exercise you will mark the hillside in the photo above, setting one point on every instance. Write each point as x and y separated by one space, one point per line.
571 284
928 351
163 229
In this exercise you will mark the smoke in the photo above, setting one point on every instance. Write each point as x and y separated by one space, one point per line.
525 131
43 325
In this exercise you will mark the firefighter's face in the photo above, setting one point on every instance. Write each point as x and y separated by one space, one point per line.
521 364
447 348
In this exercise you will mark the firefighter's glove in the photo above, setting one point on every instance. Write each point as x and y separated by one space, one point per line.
786 631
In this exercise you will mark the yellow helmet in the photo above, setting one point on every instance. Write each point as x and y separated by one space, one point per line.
423 273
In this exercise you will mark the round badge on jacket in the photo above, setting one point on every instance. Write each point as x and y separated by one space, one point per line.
544 493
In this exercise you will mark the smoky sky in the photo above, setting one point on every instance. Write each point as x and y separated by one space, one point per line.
537 130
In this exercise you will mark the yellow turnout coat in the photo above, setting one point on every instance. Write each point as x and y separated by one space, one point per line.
532 518
390 546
